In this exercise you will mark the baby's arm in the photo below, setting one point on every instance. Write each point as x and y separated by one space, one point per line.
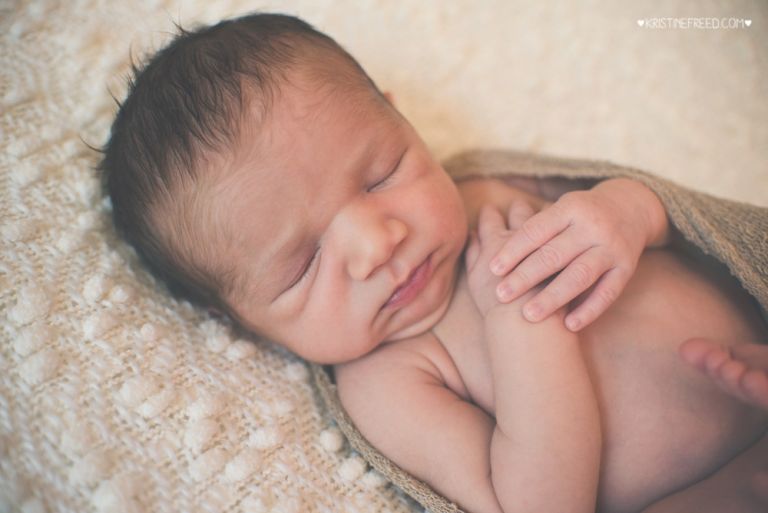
400 402
546 445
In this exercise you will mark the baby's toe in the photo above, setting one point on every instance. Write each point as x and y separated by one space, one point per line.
754 383
695 351
714 359
756 355
729 375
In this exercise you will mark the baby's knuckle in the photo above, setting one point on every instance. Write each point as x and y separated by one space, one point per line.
575 199
606 296
598 226
549 257
522 207
522 278
581 275
570 197
532 231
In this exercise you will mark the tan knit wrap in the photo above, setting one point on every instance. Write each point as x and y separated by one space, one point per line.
734 233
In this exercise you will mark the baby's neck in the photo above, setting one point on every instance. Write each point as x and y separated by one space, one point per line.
462 323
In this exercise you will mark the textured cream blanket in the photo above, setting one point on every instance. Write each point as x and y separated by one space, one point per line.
116 398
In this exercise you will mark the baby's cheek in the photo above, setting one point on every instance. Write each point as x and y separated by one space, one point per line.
447 210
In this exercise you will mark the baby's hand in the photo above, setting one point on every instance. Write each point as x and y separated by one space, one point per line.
492 232
592 238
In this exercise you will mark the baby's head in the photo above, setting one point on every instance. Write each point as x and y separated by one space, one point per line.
258 170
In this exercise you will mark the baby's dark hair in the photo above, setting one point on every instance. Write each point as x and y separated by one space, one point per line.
185 104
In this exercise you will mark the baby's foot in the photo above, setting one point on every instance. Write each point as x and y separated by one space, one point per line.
741 370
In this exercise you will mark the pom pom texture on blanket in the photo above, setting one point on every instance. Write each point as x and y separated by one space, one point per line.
114 397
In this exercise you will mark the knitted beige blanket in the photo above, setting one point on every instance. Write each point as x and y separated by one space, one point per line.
734 233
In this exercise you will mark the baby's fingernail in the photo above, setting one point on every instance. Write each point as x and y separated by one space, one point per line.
572 323
497 267
532 312
504 292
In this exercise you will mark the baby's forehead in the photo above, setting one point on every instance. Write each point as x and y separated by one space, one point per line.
286 146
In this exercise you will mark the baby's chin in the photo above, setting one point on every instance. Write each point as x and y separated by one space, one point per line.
432 317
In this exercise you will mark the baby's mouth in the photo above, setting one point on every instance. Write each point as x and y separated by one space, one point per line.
412 286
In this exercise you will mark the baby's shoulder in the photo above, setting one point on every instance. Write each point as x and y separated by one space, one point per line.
414 354
418 360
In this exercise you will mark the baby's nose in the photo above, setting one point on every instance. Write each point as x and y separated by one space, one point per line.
373 246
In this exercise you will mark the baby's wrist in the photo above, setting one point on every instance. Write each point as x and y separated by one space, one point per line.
658 223
641 198
507 317
503 314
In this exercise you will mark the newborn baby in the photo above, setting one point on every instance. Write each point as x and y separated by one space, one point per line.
260 172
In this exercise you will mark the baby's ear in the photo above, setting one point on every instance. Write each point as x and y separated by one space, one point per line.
390 97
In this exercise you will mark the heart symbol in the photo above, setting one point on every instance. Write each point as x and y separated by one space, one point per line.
748 23
640 23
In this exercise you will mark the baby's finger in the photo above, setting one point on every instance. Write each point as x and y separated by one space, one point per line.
532 234
598 301
519 212
473 251
577 277
489 222
545 261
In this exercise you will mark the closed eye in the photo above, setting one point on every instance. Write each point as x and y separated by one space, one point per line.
386 179
305 271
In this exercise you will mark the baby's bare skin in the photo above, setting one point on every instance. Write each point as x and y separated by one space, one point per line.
665 426
741 370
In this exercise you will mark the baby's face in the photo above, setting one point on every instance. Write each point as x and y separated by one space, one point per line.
348 231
